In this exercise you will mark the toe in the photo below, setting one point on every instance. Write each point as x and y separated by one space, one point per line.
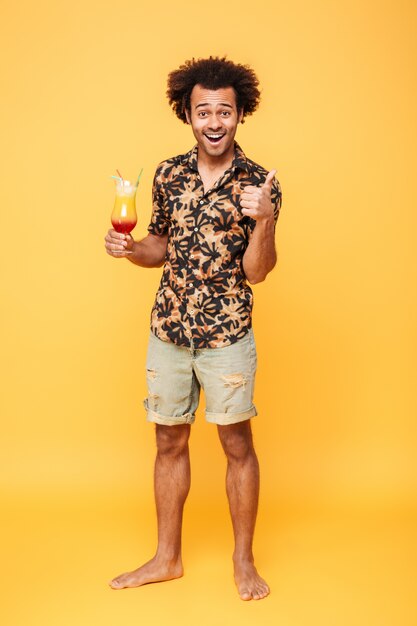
245 594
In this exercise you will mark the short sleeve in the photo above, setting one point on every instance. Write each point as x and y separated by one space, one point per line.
276 198
159 223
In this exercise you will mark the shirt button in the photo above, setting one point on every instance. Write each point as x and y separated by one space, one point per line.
195 228
192 311
191 256
190 284
201 201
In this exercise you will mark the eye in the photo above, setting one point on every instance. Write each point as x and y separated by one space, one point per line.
202 114
225 113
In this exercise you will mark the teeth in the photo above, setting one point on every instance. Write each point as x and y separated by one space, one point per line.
214 136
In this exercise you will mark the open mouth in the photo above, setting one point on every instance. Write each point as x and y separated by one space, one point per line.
214 138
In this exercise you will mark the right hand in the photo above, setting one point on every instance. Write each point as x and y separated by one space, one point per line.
117 244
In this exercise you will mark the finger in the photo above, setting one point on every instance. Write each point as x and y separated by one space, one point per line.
115 235
250 197
115 247
250 212
247 204
250 188
269 179
116 253
119 240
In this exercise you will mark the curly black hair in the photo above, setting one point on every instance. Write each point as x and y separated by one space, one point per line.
213 73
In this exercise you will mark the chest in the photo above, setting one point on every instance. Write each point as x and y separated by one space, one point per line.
195 197
209 179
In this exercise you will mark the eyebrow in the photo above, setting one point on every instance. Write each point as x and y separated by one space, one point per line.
206 104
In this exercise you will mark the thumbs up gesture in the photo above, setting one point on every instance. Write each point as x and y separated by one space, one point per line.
256 201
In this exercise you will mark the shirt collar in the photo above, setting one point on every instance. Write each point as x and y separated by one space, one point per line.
239 160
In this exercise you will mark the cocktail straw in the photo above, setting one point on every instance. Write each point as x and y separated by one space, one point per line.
120 175
140 174
116 178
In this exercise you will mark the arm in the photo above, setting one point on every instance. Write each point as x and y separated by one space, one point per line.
260 256
150 251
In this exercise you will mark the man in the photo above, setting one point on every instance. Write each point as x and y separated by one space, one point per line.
212 228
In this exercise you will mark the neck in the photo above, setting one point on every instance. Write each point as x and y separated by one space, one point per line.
214 163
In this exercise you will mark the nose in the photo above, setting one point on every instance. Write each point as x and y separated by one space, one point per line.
214 123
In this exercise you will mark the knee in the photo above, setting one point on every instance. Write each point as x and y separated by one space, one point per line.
172 440
236 440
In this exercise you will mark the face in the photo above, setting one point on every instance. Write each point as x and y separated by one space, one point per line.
214 119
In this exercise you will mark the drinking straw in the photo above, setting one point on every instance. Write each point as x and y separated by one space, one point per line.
140 174
116 178
120 175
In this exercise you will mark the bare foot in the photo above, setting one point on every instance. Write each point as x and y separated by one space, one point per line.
249 584
153 571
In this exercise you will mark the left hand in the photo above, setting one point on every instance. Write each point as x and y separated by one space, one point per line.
256 201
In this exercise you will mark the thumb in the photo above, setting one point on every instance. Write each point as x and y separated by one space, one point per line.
269 179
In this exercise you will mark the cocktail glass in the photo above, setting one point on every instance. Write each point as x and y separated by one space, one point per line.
123 217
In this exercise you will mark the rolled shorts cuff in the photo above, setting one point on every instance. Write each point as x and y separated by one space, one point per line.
164 420
223 419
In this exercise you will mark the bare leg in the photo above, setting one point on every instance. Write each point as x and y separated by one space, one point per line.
242 484
172 484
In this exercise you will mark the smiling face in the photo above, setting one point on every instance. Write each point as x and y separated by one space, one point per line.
214 119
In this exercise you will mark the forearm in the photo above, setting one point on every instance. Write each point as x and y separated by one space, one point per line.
260 256
149 252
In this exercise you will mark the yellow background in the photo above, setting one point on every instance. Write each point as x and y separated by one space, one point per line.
335 323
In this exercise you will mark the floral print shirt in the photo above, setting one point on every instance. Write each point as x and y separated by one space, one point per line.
203 299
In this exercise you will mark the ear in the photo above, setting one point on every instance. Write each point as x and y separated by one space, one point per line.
240 116
187 115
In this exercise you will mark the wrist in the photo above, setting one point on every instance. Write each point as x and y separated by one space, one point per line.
266 222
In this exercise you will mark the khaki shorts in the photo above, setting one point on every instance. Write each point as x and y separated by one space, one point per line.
175 375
